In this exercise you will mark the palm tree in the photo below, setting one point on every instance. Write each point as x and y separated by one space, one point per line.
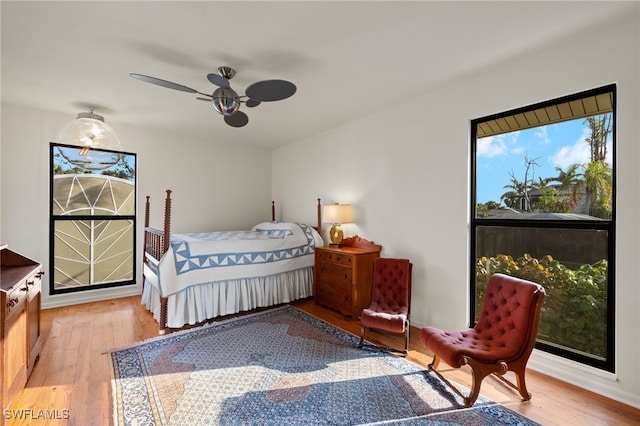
512 198
598 182
600 126
570 183
520 190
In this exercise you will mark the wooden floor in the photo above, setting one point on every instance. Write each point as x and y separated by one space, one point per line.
70 384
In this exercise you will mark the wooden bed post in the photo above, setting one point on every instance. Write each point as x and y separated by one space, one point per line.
273 211
165 247
319 218
167 222
144 244
146 212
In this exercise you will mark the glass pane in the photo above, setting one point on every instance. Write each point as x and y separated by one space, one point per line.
572 266
553 172
105 192
90 252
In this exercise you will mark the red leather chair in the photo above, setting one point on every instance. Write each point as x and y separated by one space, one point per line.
501 340
390 300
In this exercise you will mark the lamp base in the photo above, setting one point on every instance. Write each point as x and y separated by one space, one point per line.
336 235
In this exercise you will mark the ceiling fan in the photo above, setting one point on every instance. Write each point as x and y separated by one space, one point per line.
225 100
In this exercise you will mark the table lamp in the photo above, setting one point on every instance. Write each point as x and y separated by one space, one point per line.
337 214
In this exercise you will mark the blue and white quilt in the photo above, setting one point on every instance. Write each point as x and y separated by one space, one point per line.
269 248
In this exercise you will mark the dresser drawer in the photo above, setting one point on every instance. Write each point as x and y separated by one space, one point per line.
340 258
336 297
16 298
335 274
34 282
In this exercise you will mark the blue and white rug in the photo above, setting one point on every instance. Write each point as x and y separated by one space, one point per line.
281 367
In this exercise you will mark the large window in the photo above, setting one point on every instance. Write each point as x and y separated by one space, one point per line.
93 223
543 191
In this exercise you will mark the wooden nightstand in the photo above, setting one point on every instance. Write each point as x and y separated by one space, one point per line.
343 275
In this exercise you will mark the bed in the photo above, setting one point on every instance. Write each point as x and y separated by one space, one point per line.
192 278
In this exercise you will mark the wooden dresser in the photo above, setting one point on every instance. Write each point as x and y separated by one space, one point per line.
343 275
20 304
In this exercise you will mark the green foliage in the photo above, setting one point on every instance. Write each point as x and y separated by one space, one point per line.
59 170
119 173
574 312
598 178
485 209
551 201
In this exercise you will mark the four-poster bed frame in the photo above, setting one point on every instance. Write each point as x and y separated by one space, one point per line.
157 242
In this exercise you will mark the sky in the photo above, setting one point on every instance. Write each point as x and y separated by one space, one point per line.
555 145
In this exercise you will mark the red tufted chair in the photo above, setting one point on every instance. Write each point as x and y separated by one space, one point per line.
501 340
390 300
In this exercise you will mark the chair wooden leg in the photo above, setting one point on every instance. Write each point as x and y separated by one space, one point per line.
407 332
361 343
434 363
479 372
432 368
522 386
403 353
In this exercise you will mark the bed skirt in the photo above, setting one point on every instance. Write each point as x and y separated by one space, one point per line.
205 301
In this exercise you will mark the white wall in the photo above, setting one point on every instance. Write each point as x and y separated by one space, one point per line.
406 172
216 185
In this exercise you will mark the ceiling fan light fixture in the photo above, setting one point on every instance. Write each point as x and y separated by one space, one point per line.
89 131
225 101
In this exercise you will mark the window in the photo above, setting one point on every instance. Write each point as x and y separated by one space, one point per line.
93 222
543 197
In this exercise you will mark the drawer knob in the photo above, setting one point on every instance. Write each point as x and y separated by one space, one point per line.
12 302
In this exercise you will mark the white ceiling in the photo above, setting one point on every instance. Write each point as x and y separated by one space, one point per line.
348 59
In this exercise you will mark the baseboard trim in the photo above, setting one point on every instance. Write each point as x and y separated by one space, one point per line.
589 378
68 299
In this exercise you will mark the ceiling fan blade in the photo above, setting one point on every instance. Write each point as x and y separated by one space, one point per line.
204 99
271 90
239 119
163 83
218 80
252 103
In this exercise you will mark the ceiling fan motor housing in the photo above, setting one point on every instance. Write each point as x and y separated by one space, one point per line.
225 101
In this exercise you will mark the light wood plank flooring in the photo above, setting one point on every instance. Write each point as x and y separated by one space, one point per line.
71 381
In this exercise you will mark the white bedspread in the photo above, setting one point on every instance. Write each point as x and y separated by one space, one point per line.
268 249
210 300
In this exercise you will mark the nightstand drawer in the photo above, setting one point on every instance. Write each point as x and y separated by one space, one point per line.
337 297
343 259
335 274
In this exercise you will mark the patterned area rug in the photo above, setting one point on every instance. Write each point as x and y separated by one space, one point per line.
281 367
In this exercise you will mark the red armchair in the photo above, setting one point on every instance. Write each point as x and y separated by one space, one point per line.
390 300
501 340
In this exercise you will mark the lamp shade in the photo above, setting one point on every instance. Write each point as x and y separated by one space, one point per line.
338 213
